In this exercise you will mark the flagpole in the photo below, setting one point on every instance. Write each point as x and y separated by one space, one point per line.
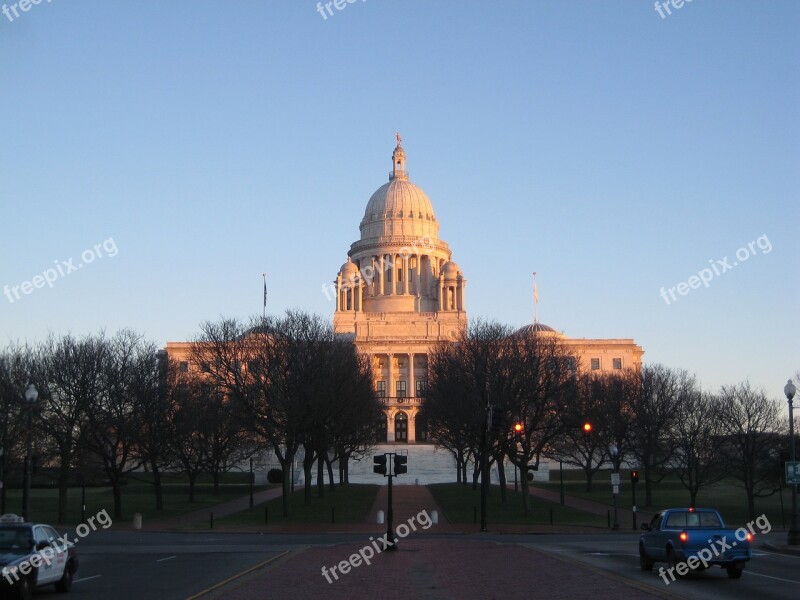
264 313
535 300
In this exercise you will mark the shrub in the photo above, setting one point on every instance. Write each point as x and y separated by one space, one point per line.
275 476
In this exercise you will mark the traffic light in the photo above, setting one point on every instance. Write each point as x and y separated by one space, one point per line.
634 477
400 464
380 464
587 429
499 422
519 429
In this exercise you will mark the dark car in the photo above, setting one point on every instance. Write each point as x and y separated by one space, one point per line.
32 555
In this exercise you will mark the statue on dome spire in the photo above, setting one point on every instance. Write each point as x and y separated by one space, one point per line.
398 138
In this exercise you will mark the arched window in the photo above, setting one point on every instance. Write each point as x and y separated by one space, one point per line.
401 427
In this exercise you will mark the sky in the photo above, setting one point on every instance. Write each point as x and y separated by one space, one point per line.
157 157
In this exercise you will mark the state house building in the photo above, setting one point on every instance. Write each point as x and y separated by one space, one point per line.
400 293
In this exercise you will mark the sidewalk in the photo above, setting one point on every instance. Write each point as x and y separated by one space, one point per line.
625 516
407 502
463 568
203 515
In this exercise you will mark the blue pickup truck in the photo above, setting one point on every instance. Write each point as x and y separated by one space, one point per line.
690 539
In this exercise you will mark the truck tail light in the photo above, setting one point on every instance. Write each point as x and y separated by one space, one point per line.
684 537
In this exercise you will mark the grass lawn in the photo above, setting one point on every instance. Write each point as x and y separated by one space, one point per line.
347 503
459 503
725 496
137 496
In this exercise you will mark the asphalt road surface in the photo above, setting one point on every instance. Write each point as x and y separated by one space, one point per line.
176 566
767 576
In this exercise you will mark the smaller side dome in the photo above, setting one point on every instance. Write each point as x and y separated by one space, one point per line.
348 269
534 328
451 270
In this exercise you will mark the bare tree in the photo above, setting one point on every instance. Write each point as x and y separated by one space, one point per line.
654 412
15 374
114 424
538 387
751 423
696 439
71 377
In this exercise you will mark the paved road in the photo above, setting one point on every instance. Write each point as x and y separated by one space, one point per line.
175 566
768 576
169 566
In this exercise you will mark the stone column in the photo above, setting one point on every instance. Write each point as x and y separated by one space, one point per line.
339 292
419 278
407 275
390 384
394 274
412 392
389 426
381 276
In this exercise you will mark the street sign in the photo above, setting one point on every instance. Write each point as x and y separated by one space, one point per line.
615 479
615 489
792 472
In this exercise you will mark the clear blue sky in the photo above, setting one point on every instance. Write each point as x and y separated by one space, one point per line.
613 151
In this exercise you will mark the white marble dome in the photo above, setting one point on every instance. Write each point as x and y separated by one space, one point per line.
399 208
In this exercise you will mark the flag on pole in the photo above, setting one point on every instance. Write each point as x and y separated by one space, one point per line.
265 293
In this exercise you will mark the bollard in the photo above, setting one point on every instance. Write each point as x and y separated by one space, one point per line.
380 517
212 520
137 520
434 517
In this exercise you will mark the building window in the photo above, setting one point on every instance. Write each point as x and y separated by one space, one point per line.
380 389
420 388
595 364
617 363
401 388
184 367
401 427
420 428
381 431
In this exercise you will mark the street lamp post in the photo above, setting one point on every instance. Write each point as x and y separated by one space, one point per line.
2 481
31 395
614 454
251 483
793 538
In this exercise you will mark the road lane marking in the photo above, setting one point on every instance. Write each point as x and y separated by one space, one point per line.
771 577
237 576
86 578
168 558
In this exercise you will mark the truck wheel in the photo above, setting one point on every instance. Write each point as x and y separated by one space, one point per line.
734 572
673 562
644 562
65 583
